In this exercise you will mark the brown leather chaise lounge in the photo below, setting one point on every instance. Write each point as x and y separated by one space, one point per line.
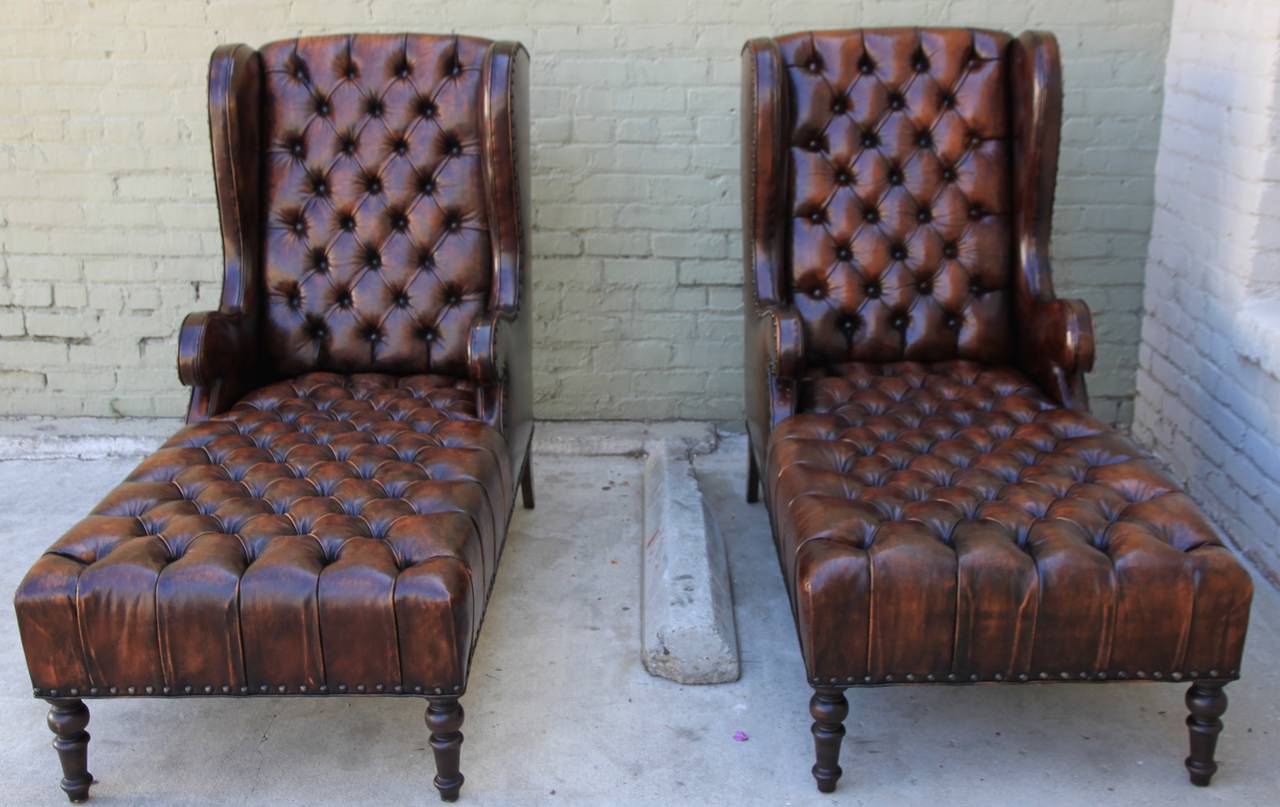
330 521
944 507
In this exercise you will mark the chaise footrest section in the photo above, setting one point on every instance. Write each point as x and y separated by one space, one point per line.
328 535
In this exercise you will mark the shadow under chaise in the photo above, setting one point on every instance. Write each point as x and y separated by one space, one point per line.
331 520
944 507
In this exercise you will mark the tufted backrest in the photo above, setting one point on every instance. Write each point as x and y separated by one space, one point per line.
377 255
899 193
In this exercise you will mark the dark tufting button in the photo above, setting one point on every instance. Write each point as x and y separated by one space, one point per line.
975 288
299 74
347 221
948 100
455 69
402 70
925 286
454 223
924 139
899 321
815 216
425 259
895 176
952 321
300 226
295 300
349 145
375 107
870 139
318 330
344 299
814 144
844 253
871 215
839 106
319 260
402 299
976 212
975 140
452 297
373 260
898 252
400 146
866 66
319 186
374 185
428 335
426 107
455 149
844 177
920 63
847 325
924 216
896 101
872 290
399 221
295 146
817 292
322 106
373 335
949 174
350 72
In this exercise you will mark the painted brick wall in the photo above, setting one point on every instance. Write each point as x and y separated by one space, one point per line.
108 228
1209 377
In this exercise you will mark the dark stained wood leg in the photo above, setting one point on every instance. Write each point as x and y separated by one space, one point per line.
829 709
526 483
1207 702
753 477
68 718
444 718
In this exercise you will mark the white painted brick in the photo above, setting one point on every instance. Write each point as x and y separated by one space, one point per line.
1203 404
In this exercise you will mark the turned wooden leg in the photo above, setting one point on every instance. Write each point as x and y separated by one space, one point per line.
526 483
444 718
1207 702
68 718
829 709
753 477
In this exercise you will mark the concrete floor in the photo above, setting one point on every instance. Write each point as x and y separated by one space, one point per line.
560 711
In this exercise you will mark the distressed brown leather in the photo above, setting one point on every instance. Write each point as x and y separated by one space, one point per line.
331 520
944 506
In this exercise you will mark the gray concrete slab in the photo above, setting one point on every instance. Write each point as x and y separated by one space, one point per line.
686 606
560 710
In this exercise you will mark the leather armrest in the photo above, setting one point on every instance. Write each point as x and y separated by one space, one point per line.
1057 347
215 358
774 362
487 344
781 336
213 347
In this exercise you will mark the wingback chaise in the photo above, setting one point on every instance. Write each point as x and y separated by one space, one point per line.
944 507
330 521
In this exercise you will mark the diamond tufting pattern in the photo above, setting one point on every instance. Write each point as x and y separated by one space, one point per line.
327 534
947 520
377 250
899 166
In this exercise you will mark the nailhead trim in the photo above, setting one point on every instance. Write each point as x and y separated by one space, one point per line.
1101 675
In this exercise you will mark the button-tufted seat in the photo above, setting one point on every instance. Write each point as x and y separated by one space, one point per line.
944 507
331 519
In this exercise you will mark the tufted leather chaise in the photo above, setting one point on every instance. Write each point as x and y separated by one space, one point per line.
944 507
331 519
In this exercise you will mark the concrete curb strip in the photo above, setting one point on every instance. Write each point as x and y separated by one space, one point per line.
687 628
